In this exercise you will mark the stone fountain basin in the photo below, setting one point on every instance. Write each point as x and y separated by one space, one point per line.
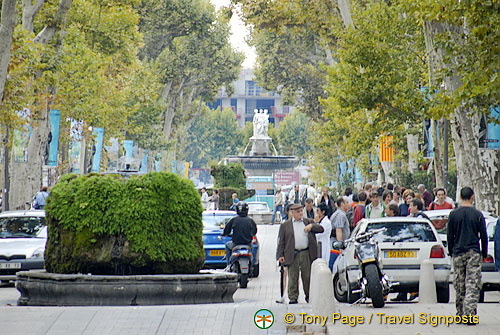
40 288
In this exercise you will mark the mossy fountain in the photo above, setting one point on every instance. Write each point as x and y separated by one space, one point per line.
124 242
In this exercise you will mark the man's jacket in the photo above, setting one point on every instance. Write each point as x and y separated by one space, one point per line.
286 245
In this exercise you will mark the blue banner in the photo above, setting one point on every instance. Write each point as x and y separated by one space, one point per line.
99 135
494 130
128 145
55 118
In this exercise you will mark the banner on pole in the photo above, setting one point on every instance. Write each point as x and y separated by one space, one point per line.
55 118
99 136
386 150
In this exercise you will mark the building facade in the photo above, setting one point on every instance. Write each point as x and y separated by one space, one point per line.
248 96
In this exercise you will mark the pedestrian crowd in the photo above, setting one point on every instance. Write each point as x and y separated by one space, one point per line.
313 221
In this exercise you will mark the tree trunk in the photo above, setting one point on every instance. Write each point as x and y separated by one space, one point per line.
436 149
56 24
7 24
412 145
476 167
388 168
345 12
26 178
30 10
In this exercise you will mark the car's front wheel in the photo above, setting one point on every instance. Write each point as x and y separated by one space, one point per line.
340 294
351 297
443 294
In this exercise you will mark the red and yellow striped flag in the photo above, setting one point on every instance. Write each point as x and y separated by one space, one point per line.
386 151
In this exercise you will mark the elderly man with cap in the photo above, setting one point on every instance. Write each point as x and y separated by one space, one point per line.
297 249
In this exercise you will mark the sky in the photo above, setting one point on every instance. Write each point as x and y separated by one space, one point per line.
239 31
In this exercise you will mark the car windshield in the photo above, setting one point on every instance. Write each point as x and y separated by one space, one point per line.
214 220
440 223
403 232
16 227
258 207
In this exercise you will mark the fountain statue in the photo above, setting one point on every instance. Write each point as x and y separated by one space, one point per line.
261 161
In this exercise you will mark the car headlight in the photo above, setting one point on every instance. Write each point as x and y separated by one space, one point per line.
38 253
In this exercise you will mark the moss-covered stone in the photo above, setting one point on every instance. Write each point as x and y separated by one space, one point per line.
106 225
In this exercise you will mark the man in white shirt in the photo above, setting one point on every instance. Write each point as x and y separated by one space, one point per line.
204 197
375 209
297 249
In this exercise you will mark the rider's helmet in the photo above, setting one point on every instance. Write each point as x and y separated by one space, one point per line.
242 208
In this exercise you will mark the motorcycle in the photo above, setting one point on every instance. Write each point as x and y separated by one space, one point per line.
240 263
372 282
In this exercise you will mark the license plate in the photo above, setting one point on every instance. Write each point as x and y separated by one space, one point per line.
10 265
400 254
217 252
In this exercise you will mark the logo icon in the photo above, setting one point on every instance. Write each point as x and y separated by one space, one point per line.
263 318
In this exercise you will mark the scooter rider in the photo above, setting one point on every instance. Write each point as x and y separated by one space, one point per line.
243 227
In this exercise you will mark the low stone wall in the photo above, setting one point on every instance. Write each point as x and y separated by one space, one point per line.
39 288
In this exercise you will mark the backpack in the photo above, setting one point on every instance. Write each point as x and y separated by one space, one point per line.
350 216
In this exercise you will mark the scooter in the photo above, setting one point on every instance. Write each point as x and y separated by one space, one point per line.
372 281
240 262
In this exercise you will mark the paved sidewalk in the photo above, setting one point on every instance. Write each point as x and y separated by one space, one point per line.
234 318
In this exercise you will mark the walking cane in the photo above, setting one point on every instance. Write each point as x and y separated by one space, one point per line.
282 285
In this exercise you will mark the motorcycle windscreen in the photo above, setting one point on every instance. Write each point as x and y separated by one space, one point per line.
367 252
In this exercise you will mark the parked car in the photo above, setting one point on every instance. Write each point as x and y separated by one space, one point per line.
259 211
23 235
489 277
406 242
215 244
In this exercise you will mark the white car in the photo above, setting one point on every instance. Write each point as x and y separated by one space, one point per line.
259 211
23 235
489 277
403 246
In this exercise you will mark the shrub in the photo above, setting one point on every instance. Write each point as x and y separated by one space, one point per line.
106 225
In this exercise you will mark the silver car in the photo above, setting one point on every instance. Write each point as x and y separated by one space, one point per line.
23 235
259 211
403 246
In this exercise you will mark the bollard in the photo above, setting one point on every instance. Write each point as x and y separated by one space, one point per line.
314 289
321 289
427 285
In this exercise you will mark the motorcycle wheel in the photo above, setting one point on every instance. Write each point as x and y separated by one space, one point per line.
374 286
340 295
244 280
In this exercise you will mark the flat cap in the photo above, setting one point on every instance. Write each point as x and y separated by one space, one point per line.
295 206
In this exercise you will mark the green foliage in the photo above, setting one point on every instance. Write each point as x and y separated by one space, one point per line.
293 134
469 37
230 175
225 196
106 224
211 137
